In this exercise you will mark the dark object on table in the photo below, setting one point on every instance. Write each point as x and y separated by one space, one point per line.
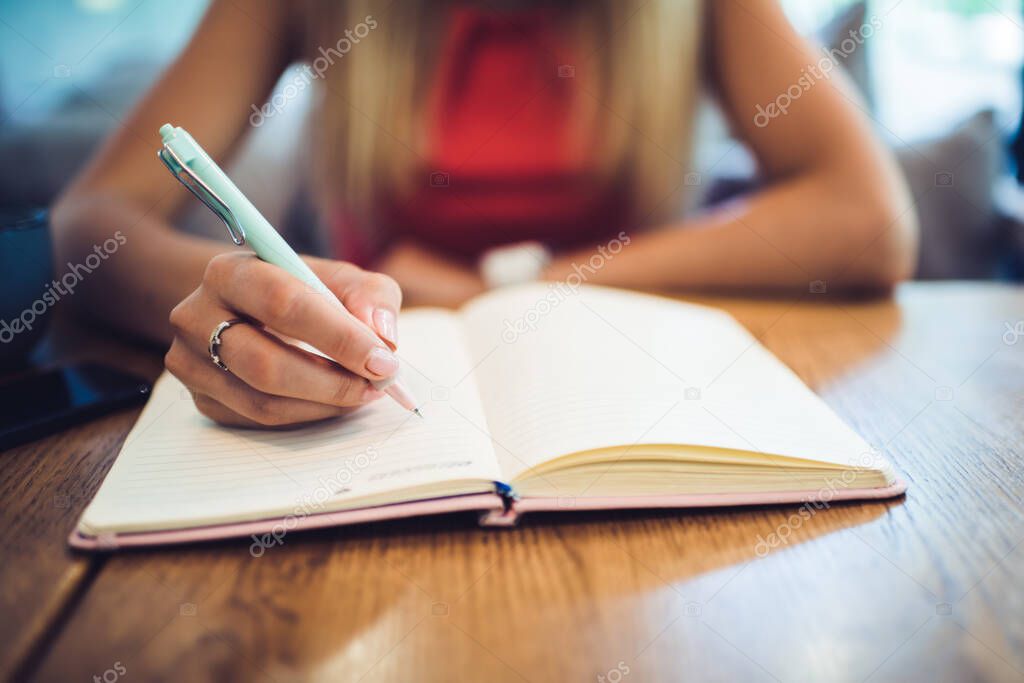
36 404
26 280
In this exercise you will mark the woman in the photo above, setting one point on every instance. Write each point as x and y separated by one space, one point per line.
445 129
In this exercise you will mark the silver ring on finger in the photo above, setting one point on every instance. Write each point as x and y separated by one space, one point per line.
215 342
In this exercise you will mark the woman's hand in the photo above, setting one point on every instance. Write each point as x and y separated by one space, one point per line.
429 279
271 382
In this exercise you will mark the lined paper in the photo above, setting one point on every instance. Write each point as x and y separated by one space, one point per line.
519 377
179 469
596 367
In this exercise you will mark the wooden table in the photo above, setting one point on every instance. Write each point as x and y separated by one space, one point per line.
926 587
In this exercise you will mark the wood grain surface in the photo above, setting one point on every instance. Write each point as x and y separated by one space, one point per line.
925 587
44 485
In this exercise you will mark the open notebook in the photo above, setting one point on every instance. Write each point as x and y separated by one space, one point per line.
538 397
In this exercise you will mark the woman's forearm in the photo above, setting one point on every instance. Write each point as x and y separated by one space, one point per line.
128 266
785 237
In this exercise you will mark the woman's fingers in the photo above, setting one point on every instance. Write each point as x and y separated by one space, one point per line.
280 301
218 412
272 382
373 298
203 378
266 363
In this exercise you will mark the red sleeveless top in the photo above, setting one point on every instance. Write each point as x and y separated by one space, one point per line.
501 166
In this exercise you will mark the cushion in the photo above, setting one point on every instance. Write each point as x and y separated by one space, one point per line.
952 178
854 61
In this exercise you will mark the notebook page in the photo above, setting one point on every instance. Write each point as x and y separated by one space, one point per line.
566 370
178 469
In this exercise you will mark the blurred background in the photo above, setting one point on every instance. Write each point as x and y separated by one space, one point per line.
941 80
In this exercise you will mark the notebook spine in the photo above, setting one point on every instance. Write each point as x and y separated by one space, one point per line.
508 516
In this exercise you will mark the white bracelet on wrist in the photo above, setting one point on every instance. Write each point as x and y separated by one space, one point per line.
514 264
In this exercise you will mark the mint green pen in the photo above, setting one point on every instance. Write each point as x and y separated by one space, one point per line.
246 225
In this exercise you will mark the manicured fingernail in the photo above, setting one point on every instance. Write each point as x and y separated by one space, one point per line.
382 362
387 325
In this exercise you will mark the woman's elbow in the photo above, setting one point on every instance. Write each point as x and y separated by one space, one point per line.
889 236
68 227
83 216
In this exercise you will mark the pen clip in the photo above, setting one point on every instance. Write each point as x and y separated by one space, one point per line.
187 177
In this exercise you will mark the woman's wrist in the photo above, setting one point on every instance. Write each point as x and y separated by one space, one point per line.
426 278
156 267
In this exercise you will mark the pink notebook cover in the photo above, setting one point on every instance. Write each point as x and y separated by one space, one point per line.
492 508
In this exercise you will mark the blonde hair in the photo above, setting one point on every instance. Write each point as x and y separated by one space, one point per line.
641 61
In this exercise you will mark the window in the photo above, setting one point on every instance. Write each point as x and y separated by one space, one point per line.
50 49
935 62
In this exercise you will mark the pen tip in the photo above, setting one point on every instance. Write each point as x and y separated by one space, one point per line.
417 411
